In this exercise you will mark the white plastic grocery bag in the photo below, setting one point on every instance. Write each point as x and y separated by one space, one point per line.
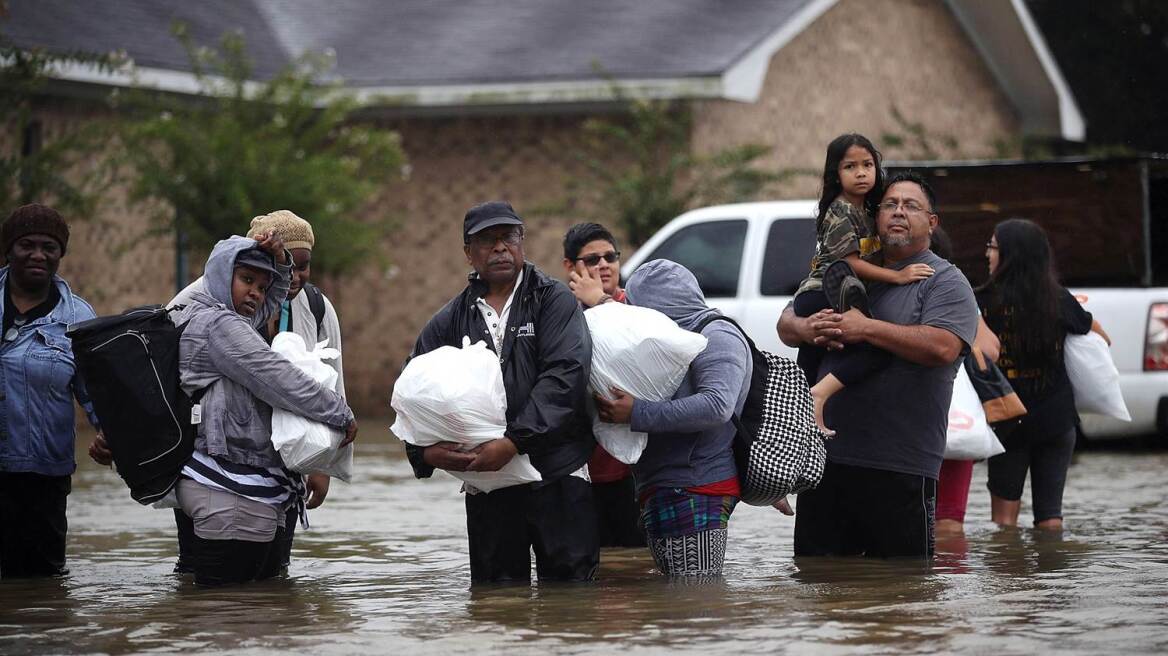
308 446
643 352
1093 375
457 395
970 436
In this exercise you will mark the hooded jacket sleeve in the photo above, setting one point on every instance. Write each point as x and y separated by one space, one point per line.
565 360
239 353
718 374
277 291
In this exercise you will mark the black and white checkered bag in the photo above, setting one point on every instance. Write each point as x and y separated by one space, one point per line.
778 449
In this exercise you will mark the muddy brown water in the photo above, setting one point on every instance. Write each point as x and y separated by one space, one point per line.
384 567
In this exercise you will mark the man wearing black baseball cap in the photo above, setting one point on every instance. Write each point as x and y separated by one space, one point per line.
488 215
534 324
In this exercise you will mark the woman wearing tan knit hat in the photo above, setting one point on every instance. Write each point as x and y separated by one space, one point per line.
308 314
298 239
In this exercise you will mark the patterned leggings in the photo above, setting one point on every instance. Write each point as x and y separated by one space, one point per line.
686 531
695 554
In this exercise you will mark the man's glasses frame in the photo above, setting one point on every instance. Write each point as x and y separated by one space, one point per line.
909 207
480 240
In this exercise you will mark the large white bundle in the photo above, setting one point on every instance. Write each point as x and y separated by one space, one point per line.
457 395
307 446
969 436
644 353
1094 378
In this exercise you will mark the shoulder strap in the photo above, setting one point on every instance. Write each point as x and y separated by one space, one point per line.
315 303
742 436
711 319
718 317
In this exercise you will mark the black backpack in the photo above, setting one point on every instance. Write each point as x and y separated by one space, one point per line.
129 363
315 303
778 448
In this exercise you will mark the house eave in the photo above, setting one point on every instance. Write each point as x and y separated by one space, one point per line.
1011 45
744 79
440 98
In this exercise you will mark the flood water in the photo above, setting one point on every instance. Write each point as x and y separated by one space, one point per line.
384 567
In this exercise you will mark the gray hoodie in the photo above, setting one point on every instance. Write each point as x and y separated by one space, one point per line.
222 351
691 435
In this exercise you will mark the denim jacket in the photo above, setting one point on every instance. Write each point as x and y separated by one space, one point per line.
38 382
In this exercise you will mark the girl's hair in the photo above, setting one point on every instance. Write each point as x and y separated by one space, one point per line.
832 187
1026 286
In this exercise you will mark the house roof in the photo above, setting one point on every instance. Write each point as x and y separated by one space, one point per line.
502 53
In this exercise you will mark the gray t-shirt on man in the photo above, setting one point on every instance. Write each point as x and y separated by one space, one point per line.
896 419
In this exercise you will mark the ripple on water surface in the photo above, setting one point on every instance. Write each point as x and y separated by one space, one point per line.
385 564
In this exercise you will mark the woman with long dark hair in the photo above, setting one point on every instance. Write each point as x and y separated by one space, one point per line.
1032 314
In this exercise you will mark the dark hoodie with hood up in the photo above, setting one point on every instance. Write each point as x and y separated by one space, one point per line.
690 436
222 351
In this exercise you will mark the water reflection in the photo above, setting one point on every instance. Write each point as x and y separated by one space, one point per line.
385 565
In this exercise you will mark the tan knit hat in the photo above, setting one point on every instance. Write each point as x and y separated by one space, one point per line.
295 231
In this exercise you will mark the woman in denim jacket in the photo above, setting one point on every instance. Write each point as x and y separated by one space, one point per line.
38 382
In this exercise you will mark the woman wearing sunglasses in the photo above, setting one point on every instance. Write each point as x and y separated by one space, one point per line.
40 382
592 262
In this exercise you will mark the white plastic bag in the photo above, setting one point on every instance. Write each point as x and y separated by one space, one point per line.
642 352
308 446
1093 375
457 395
970 436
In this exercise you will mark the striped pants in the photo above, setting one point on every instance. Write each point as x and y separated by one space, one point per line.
695 554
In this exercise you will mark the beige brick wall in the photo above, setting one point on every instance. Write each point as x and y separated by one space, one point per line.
847 71
455 163
113 261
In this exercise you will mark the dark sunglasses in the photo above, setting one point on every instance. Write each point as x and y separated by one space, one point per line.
594 259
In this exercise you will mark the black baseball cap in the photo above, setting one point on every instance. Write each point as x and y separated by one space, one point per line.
488 215
254 258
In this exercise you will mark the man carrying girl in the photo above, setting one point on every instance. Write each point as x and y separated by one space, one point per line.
846 252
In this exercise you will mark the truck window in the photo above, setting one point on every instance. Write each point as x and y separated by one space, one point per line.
789 248
712 251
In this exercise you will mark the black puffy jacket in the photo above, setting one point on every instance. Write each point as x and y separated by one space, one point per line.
546 359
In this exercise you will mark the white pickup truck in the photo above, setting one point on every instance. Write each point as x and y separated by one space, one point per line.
750 257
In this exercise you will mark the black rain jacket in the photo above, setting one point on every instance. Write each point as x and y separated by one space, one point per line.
546 360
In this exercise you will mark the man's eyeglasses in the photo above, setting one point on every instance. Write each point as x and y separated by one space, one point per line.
991 246
594 259
512 238
909 206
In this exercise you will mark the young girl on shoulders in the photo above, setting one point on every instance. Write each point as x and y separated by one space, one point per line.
853 183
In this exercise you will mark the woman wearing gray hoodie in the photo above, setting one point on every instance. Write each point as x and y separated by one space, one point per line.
687 482
235 489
